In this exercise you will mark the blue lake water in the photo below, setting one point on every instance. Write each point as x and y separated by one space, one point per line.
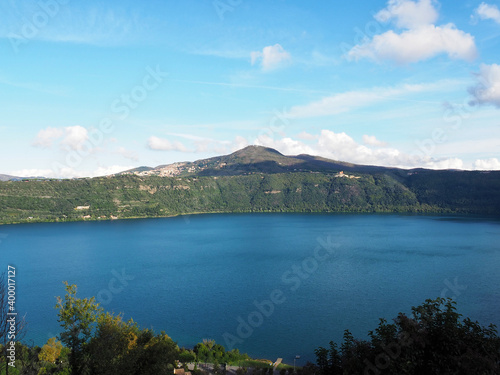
295 280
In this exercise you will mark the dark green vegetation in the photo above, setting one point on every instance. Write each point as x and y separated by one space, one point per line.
252 180
433 341
97 342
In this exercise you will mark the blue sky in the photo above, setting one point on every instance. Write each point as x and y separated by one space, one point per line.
92 88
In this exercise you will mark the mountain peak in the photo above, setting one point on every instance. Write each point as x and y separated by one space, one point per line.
256 154
248 160
256 150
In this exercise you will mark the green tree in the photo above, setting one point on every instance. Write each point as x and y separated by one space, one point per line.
77 317
187 356
321 360
103 343
154 354
202 352
110 347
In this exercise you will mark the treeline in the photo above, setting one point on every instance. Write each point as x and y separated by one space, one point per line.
130 196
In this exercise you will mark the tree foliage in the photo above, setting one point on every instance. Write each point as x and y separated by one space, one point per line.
433 341
77 318
51 351
209 351
127 196
103 343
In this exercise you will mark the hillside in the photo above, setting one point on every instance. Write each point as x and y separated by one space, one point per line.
252 180
6 177
252 159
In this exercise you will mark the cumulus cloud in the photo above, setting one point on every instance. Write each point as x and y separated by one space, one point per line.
71 136
342 147
488 12
487 164
420 39
451 163
161 144
418 44
487 88
46 137
106 171
408 14
75 137
371 140
271 57
238 143
306 136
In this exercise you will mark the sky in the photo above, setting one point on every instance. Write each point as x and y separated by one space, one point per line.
90 88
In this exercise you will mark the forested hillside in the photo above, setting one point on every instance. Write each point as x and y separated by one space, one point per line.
129 195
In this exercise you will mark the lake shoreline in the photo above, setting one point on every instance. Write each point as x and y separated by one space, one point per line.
389 212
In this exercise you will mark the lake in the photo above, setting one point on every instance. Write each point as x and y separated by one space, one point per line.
273 285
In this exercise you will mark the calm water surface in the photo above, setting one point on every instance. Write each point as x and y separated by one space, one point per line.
296 280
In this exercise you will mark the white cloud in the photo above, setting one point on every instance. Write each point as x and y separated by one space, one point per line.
417 44
71 136
161 144
486 11
487 89
71 172
286 145
106 171
451 163
75 137
487 164
420 39
271 57
306 136
342 147
371 140
239 143
34 173
409 14
347 101
46 137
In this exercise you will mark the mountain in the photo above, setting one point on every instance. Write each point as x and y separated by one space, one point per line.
6 177
252 159
254 179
